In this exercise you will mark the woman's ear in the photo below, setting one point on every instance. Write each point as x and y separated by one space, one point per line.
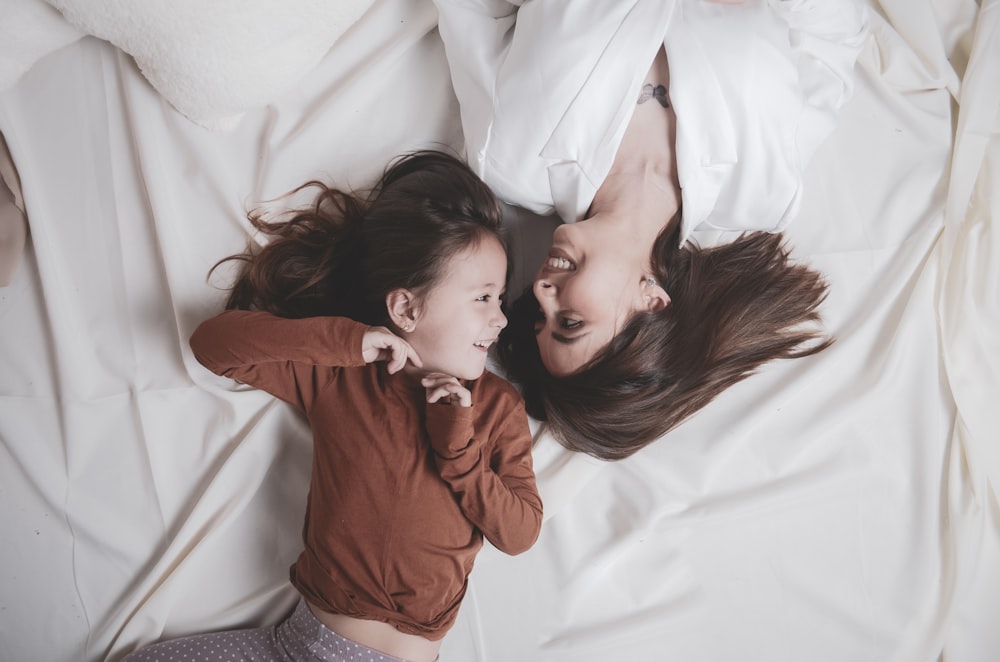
654 297
403 310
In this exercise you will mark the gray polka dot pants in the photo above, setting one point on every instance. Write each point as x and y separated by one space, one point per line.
298 638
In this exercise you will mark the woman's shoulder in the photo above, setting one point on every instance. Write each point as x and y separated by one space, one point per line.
756 88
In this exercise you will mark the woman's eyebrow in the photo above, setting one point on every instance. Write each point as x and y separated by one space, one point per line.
567 340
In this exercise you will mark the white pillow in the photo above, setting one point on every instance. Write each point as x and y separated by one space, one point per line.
215 59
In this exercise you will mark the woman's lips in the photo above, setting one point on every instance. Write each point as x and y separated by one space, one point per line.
560 264
559 260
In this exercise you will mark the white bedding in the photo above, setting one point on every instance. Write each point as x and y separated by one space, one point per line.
841 507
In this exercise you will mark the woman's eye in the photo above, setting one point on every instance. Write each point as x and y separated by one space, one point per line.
569 324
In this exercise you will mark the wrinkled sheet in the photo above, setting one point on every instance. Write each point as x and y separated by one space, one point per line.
840 507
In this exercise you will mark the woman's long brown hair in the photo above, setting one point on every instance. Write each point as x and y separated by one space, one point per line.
733 308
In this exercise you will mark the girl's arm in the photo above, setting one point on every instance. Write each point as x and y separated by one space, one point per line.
288 358
492 479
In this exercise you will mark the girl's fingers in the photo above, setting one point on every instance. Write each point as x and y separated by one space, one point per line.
397 360
447 388
464 398
380 344
401 353
433 395
437 378
411 354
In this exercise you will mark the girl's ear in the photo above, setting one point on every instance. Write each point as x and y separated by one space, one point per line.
403 309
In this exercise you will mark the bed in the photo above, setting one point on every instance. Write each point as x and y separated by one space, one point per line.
839 507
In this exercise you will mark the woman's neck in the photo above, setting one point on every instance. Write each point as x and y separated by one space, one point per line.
642 185
641 193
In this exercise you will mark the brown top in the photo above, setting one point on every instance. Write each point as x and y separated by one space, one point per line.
402 491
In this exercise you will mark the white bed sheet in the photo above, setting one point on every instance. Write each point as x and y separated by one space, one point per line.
841 507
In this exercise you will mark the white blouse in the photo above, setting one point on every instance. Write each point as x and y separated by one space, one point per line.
546 89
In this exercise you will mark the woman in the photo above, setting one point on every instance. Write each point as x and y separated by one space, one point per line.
641 123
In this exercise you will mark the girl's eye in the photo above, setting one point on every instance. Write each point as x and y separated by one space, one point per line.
484 297
569 324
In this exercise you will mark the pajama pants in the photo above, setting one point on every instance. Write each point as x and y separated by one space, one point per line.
298 638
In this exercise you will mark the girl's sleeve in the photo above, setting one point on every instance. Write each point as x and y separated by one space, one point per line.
493 479
289 358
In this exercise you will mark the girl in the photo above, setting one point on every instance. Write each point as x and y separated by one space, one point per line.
373 316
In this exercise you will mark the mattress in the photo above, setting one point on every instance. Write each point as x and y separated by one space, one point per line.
838 507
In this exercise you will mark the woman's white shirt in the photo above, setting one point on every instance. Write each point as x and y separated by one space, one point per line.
546 89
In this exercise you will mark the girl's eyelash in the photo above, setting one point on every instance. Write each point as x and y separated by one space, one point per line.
569 324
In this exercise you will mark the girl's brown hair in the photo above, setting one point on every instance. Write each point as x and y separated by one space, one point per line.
733 308
345 252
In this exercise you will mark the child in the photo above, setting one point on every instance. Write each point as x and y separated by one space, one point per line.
373 317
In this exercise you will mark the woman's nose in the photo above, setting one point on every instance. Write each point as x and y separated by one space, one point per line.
544 288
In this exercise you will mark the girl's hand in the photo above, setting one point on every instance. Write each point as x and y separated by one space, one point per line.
446 389
381 344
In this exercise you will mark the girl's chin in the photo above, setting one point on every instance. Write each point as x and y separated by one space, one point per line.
474 373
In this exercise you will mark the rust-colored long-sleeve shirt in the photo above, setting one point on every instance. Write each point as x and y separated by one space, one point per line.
402 491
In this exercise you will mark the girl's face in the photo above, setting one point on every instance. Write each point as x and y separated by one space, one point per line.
460 317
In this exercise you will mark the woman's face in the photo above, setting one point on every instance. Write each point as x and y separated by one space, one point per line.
592 281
